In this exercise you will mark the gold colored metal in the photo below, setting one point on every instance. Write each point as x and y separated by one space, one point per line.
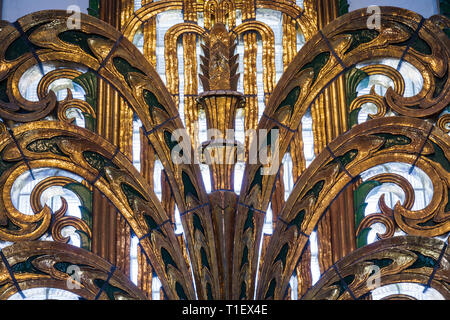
220 254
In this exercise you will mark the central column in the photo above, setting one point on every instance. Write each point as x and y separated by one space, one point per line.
220 101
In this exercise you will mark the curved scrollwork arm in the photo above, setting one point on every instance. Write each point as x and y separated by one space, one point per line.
399 260
397 139
329 54
46 264
113 58
58 145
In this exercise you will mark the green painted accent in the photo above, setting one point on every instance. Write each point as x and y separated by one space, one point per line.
419 44
152 102
151 223
109 289
360 37
343 7
27 266
124 68
244 257
197 223
391 140
62 266
359 199
209 291
11 226
83 193
171 143
440 83
257 180
188 186
447 207
86 215
167 259
297 221
85 240
88 81
347 158
317 64
422 261
361 239
249 221
359 203
180 291
80 39
353 117
444 6
271 290
243 294
5 165
47 145
439 157
3 91
19 47
381 263
131 194
97 161
282 255
94 8
352 80
315 190
429 223
290 101
348 280
204 258
89 121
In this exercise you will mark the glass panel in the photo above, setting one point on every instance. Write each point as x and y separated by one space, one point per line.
413 78
293 283
287 175
164 21
134 268
156 287
137 4
423 189
268 224
204 168
138 40
157 179
178 224
315 268
45 294
30 79
137 124
238 176
410 289
308 138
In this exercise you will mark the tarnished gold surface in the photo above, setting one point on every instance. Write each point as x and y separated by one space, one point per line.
48 267
222 232
401 254
365 147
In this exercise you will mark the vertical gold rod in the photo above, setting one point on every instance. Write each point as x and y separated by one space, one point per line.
191 86
336 229
250 86
145 272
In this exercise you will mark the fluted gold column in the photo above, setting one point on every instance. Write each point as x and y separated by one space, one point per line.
145 271
336 233
191 86
111 234
250 86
